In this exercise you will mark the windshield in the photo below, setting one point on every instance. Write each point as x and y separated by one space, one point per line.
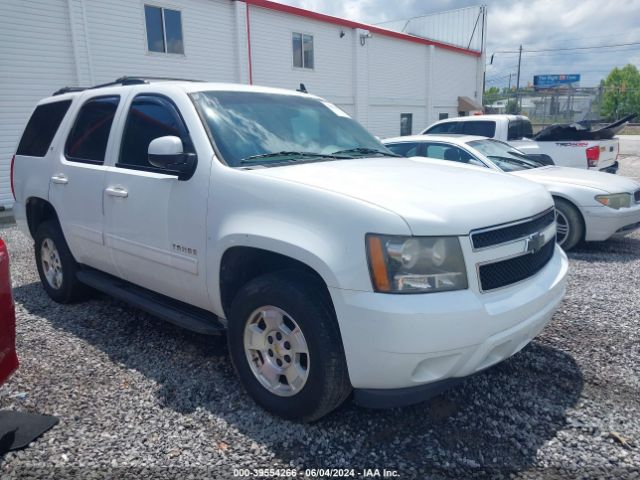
507 158
255 128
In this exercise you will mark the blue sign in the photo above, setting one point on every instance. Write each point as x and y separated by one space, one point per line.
551 81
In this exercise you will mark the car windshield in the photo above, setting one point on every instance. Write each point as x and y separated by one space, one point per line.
507 158
255 128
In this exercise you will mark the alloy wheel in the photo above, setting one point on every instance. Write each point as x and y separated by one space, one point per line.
51 264
563 228
277 351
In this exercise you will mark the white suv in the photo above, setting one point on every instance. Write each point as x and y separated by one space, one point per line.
332 265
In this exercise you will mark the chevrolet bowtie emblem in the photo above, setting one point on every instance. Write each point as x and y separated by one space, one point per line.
534 242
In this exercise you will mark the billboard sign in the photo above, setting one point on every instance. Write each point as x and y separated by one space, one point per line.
554 81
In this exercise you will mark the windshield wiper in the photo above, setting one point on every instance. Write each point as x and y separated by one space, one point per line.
367 151
291 156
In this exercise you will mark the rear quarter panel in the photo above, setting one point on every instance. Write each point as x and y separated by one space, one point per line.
32 175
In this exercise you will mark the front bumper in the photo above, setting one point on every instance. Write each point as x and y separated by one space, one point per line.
408 341
603 222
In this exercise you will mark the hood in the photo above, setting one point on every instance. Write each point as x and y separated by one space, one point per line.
605 182
433 197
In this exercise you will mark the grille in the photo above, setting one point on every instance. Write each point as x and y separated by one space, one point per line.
498 235
637 196
513 270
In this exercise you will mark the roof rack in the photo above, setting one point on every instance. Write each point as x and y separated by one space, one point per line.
126 80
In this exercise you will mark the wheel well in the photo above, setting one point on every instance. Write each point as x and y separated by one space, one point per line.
242 264
584 225
38 211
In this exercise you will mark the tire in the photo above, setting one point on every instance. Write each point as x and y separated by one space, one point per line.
64 288
568 216
294 299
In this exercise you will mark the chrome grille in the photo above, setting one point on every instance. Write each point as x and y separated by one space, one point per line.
499 234
513 270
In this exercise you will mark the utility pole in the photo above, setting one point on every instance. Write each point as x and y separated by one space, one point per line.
518 80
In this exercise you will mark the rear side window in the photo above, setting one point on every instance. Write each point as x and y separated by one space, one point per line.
519 129
447 127
41 128
88 139
150 117
406 149
482 128
450 153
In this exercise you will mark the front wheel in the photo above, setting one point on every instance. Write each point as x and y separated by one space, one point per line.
286 347
569 226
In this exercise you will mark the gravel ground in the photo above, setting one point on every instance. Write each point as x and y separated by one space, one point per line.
138 397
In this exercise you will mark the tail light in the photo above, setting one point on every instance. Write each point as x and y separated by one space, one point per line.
13 190
593 155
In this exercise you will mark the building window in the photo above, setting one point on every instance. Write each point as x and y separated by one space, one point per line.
302 50
406 123
164 30
443 116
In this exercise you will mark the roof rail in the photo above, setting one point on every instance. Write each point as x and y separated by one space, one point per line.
68 90
125 80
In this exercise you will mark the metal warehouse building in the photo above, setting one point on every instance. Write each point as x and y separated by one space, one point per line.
393 80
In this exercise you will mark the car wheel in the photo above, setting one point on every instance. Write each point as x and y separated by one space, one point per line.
285 345
570 229
56 266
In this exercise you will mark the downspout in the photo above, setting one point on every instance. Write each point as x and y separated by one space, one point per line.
249 46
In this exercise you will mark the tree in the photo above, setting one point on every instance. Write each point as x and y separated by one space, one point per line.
621 92
512 107
491 95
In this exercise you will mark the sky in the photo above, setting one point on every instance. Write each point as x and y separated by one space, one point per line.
536 24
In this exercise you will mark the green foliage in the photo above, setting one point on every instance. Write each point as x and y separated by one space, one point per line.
621 92
512 107
491 95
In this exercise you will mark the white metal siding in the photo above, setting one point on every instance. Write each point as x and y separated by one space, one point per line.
397 84
272 55
454 75
36 58
118 42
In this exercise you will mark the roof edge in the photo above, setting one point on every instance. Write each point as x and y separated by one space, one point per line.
321 17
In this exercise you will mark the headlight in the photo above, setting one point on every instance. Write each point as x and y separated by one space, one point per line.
415 264
616 200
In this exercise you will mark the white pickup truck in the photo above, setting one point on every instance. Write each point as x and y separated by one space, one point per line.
332 265
517 131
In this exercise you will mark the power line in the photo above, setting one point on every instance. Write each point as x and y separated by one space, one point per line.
558 53
571 48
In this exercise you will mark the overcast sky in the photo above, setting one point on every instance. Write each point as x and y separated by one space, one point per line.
536 24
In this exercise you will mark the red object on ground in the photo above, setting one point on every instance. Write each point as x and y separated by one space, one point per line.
8 356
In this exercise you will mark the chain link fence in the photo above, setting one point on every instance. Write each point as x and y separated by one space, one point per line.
548 107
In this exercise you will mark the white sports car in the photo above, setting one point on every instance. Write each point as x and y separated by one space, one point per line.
590 205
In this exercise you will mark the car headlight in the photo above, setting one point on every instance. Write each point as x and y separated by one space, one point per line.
401 264
616 200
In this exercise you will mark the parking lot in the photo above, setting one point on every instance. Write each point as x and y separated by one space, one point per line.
137 396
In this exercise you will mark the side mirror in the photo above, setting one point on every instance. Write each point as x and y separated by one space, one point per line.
167 153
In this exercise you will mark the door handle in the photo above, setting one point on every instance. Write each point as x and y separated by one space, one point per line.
117 192
60 179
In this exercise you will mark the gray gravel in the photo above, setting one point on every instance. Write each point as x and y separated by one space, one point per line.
138 397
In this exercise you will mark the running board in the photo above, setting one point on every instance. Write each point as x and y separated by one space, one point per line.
179 313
